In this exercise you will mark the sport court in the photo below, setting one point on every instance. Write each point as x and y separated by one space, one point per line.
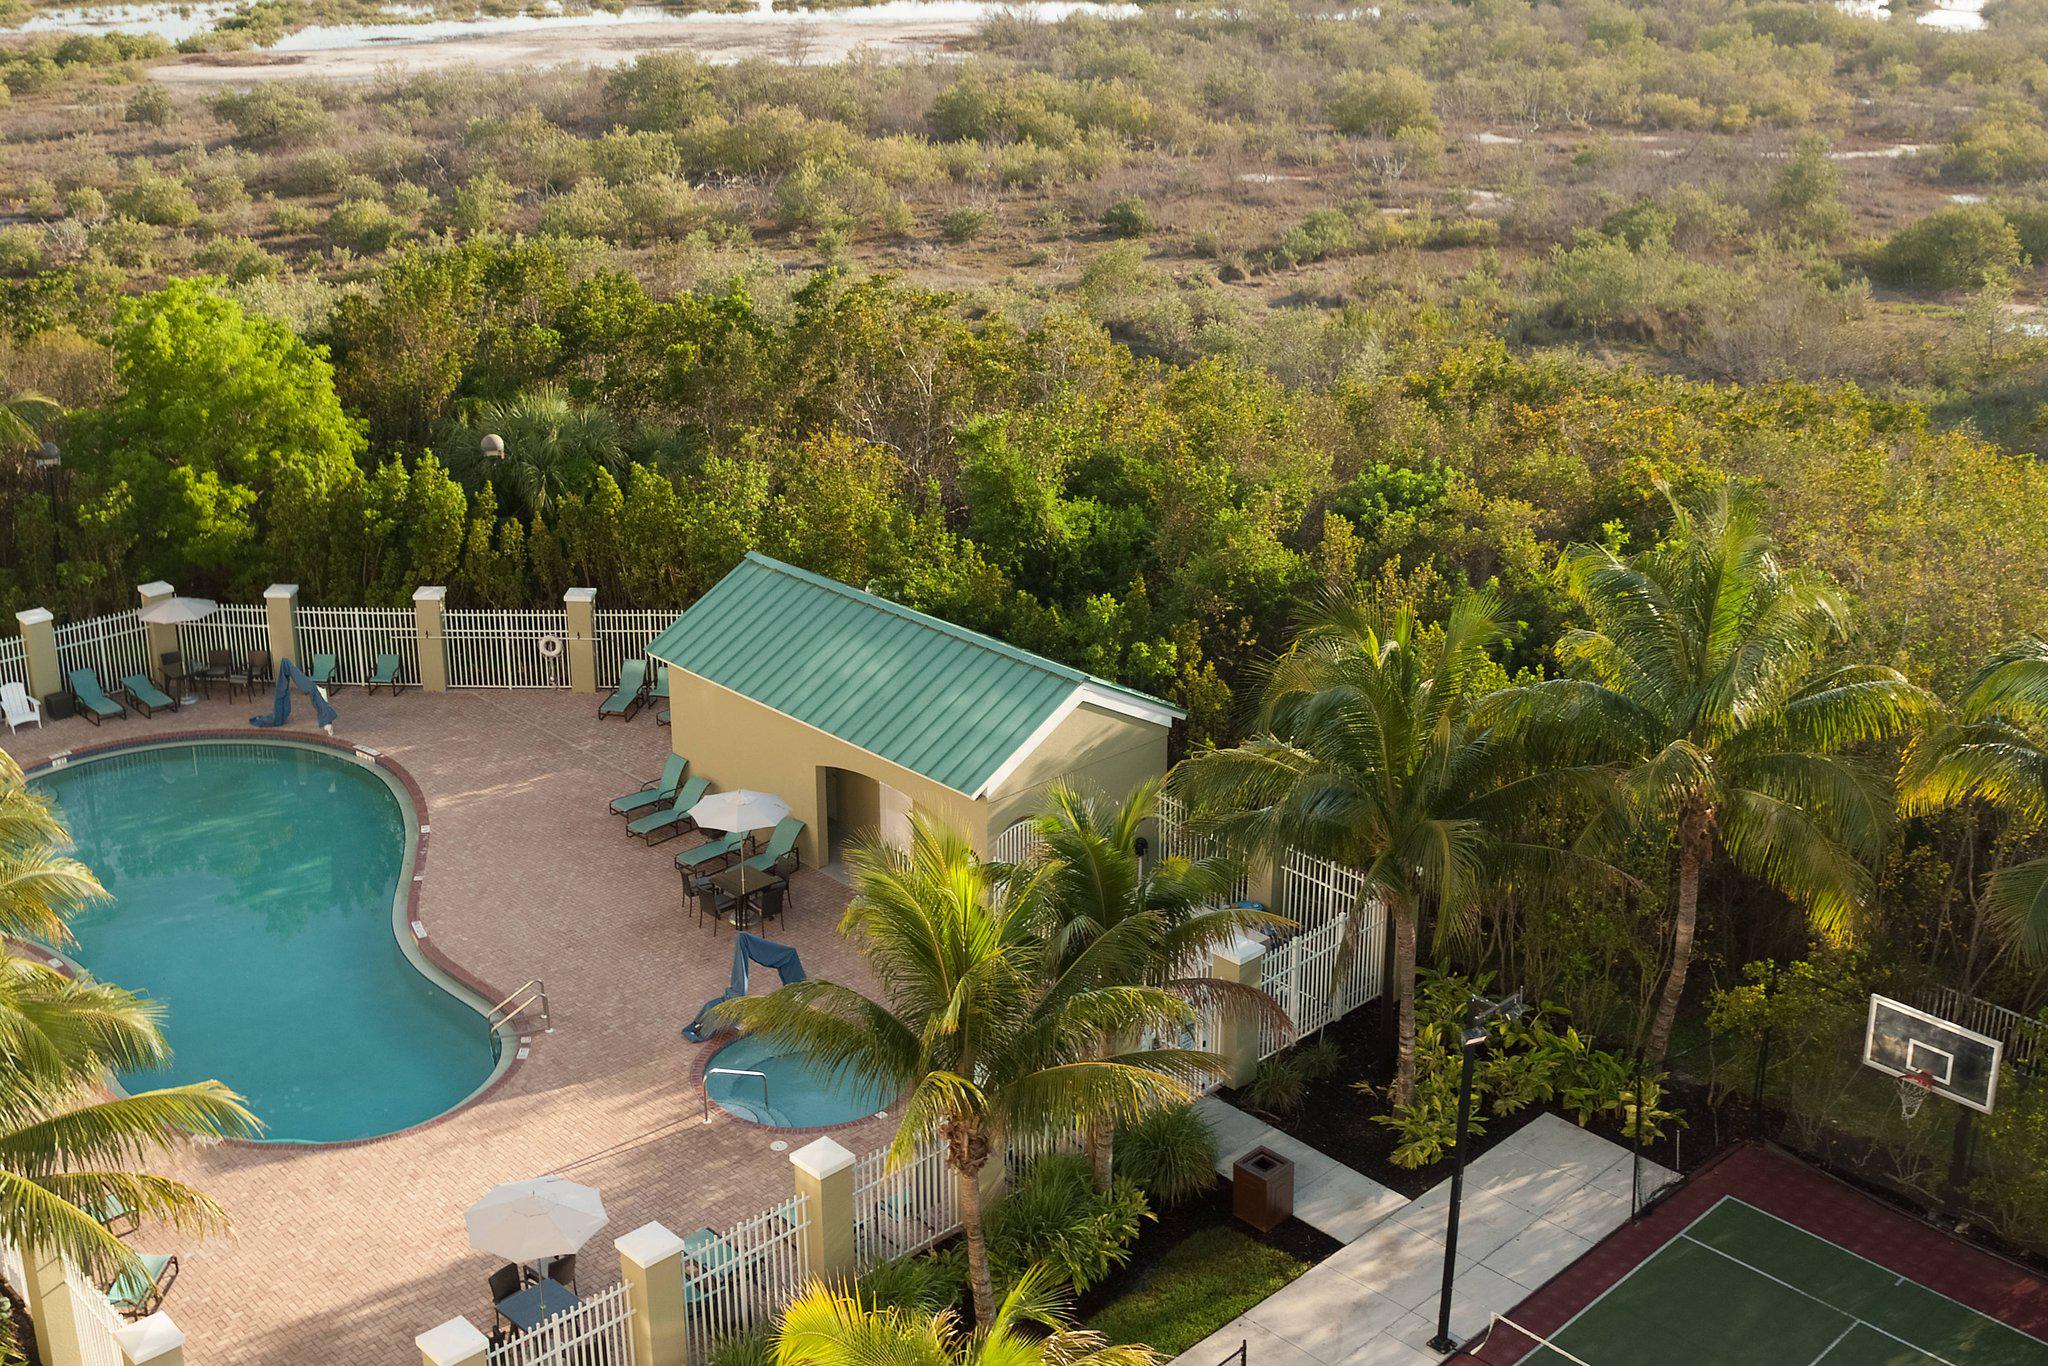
1738 1286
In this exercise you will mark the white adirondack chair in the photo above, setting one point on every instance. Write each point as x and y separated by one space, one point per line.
19 707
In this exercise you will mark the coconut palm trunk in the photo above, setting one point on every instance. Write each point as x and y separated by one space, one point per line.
1695 845
980 1283
1402 914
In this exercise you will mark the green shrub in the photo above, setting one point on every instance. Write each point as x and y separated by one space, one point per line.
365 225
2005 145
1322 234
317 172
85 204
965 224
159 201
274 115
1170 1155
922 1284
482 203
1382 103
1641 223
756 1347
1128 217
1056 1217
661 91
1281 1083
1959 247
151 105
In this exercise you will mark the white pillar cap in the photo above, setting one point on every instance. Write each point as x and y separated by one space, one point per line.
821 1158
146 1339
153 590
430 594
649 1245
454 1342
1243 948
34 616
281 590
580 595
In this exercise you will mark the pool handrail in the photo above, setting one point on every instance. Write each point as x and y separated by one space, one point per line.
530 993
710 1072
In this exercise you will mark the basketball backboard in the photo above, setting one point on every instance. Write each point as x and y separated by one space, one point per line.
1963 1063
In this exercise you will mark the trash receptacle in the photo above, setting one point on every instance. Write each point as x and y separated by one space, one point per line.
1262 1189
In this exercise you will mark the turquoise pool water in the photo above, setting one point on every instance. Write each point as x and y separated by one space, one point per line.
253 887
797 1094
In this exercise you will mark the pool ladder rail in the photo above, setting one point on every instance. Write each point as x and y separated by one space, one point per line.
711 1072
533 993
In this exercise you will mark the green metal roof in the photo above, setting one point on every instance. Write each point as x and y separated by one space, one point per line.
954 705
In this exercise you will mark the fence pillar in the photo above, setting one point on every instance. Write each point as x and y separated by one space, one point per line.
161 635
651 1264
455 1343
281 611
824 1177
48 1299
152 1341
427 606
39 648
579 605
1239 960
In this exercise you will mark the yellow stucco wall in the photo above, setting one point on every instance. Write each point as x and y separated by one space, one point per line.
1095 749
736 742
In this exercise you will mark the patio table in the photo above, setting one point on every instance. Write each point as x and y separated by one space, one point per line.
740 883
537 1304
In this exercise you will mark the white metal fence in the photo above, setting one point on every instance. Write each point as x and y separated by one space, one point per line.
1315 891
355 636
112 646
236 627
623 635
1175 840
13 661
1016 844
96 1321
497 649
899 1211
740 1280
1301 975
2025 1038
1021 1150
597 1332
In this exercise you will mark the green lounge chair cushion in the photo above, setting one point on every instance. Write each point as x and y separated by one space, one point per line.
132 1289
676 811
704 853
85 686
632 682
144 691
387 669
672 771
779 844
323 668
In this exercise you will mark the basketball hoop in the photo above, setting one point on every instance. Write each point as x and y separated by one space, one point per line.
1914 1089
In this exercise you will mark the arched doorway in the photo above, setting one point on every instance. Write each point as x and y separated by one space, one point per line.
859 807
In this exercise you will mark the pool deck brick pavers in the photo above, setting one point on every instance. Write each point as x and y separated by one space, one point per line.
342 1254
1533 1205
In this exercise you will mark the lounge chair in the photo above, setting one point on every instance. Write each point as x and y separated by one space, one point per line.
323 671
779 855
631 693
672 771
93 704
147 697
711 856
138 1294
673 819
386 675
111 1211
19 707
660 695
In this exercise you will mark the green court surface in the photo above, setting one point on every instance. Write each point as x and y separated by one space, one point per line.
1740 1287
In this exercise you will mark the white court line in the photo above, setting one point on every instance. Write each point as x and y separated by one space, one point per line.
1836 1343
1853 1320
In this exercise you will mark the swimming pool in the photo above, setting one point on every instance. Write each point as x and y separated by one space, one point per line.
792 1093
256 892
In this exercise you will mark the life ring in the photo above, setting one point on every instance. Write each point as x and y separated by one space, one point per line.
550 646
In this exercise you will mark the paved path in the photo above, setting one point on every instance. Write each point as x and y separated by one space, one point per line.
1532 1206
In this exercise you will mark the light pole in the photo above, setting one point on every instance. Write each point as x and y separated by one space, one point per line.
1477 1016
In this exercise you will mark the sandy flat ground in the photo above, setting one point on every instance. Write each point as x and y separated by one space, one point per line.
815 38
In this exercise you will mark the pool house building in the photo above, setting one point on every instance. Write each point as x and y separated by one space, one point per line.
858 711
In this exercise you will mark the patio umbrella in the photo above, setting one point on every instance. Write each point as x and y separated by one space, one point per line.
178 611
741 810
531 1221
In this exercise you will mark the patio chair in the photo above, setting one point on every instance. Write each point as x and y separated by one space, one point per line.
711 856
562 1270
19 707
779 855
323 671
631 693
673 819
253 670
146 696
170 666
769 901
93 704
138 1294
220 665
672 770
386 675
507 1281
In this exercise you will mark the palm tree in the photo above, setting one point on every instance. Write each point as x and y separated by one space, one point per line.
1703 675
551 447
828 1327
1996 750
63 1154
983 1039
1366 752
1114 920
23 416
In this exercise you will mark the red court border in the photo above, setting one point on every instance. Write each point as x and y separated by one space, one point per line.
1782 1185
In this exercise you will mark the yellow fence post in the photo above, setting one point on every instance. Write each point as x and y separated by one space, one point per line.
281 612
651 1263
161 635
48 1296
823 1175
1239 961
39 647
455 1343
579 607
151 1341
427 606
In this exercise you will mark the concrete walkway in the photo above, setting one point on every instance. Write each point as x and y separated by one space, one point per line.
1532 1206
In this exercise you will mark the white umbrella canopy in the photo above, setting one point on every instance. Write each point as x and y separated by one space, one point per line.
178 611
741 810
530 1221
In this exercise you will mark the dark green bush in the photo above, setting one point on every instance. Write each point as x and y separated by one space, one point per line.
1128 217
1170 1155
1054 1216
1958 247
922 1284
